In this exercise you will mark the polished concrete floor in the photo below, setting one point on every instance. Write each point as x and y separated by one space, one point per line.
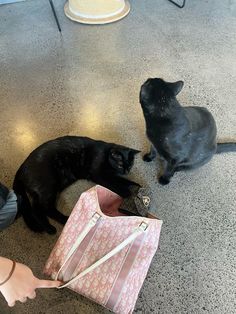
86 82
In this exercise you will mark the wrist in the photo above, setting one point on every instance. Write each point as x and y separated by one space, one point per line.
5 268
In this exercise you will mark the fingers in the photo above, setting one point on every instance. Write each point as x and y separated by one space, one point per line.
32 295
23 299
11 304
47 284
36 283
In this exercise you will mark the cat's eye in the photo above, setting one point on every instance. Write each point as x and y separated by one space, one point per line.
116 156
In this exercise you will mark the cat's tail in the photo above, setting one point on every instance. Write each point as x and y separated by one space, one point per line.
225 147
24 206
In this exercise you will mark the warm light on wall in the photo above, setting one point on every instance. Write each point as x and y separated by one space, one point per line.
25 137
93 117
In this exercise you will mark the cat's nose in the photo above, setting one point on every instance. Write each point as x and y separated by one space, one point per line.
143 92
126 171
145 86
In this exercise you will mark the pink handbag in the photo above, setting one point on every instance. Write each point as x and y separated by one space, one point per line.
102 254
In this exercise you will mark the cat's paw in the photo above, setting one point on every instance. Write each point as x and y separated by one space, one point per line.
37 228
58 216
64 220
50 229
164 180
147 157
125 193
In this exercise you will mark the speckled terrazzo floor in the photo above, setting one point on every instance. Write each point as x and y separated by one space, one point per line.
86 82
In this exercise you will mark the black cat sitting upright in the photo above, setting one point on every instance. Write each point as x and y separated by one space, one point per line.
184 137
58 163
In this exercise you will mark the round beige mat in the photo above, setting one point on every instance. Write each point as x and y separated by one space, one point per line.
92 15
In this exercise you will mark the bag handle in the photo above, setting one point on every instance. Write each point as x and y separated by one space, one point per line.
80 238
141 228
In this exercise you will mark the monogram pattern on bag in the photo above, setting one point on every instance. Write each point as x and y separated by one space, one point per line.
139 271
97 285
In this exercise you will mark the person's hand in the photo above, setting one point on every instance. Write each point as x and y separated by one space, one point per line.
22 284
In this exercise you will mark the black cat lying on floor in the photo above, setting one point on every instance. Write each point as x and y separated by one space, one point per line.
56 164
185 137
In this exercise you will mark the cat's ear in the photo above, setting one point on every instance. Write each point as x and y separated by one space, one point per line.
134 151
176 87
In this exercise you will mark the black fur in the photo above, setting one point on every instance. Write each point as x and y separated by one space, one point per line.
184 137
58 163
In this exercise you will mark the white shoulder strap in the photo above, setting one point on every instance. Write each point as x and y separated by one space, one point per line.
141 228
80 238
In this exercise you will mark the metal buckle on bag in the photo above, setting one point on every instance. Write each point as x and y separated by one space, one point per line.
146 200
96 217
143 225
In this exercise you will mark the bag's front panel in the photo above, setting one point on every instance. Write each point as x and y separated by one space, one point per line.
76 223
129 294
117 282
109 234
